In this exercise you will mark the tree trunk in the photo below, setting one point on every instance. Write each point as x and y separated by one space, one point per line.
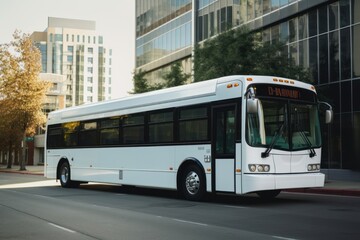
9 158
22 155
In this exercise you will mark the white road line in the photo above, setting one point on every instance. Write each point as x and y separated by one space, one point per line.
62 228
229 206
190 222
283 238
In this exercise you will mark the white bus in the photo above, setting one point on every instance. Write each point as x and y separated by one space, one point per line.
236 134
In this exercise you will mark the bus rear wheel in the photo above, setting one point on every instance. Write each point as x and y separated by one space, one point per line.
193 183
65 176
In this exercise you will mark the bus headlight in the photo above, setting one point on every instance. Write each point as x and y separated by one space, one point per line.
313 167
259 167
252 167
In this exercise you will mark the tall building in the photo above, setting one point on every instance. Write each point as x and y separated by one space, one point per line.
322 35
72 48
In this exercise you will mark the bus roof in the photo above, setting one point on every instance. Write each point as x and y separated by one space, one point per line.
194 93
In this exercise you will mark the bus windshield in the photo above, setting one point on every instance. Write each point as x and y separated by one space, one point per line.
284 125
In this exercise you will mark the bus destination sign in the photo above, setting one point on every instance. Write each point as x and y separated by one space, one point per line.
284 92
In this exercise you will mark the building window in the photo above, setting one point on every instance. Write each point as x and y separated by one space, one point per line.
101 40
90 79
90 50
90 70
90 60
90 89
69 58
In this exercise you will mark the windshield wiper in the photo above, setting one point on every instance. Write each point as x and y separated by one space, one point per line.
306 139
273 141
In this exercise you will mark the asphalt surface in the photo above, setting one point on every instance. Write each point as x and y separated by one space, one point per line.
33 207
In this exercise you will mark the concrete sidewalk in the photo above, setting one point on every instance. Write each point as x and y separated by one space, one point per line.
332 187
33 170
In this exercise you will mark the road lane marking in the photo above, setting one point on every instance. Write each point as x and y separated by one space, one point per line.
230 206
190 222
62 228
283 238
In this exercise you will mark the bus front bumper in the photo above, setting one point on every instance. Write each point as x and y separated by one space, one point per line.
260 182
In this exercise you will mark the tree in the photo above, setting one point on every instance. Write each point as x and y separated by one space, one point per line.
240 51
22 92
175 77
141 84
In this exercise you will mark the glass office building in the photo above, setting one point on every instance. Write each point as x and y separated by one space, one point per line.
72 48
321 35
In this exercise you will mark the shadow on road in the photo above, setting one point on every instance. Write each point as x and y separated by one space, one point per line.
241 200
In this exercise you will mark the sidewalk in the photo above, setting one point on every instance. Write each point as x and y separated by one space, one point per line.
332 187
32 170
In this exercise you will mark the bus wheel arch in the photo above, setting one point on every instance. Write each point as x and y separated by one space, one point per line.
64 174
191 180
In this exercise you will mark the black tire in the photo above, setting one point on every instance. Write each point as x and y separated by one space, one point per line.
193 183
269 194
65 176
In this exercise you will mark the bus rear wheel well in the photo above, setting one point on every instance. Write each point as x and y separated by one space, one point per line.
61 162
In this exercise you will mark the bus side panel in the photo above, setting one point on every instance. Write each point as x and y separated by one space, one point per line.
140 166
200 153
51 162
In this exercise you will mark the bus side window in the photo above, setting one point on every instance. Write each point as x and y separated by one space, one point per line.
109 132
71 133
88 134
193 124
133 129
55 137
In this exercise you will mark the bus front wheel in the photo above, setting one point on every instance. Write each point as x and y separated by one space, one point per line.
65 176
193 183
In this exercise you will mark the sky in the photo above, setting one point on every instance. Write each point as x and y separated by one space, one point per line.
115 21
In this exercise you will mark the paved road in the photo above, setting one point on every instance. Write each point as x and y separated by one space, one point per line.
32 207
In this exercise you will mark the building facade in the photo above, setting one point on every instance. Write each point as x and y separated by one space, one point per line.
72 48
321 35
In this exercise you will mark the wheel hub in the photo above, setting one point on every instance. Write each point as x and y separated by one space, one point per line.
192 183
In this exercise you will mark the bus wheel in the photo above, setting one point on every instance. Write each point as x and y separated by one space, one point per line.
269 194
193 183
65 179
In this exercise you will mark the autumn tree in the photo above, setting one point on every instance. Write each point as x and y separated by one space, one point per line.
22 93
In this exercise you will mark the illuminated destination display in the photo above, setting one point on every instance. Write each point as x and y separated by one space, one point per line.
284 92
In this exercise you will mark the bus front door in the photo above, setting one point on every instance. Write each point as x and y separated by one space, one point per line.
223 150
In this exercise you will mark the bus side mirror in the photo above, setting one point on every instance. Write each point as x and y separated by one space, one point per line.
329 115
252 105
